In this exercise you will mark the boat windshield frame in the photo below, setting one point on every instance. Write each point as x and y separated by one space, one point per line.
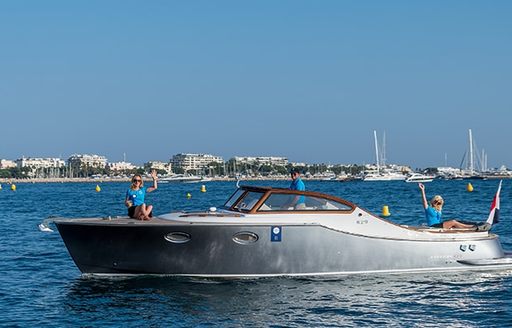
257 200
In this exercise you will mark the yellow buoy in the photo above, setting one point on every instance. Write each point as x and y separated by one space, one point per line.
469 187
385 211
189 195
203 188
98 189
13 187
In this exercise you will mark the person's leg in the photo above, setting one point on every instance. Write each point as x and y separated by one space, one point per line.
138 213
147 210
455 224
143 212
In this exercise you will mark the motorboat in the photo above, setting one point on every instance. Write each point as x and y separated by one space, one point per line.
384 176
418 177
265 232
182 178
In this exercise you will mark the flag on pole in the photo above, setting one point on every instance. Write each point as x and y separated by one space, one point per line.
495 208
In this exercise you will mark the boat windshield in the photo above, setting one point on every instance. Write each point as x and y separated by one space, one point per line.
234 198
248 201
288 202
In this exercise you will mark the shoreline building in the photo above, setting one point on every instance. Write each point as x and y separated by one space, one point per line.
41 167
7 164
121 166
87 160
80 162
194 162
261 160
159 166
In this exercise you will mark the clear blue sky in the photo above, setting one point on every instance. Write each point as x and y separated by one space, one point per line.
309 80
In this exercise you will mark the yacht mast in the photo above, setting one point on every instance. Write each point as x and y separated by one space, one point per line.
376 151
383 153
471 166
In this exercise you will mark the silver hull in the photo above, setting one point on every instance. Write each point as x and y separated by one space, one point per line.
114 247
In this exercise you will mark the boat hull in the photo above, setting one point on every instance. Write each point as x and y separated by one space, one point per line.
139 248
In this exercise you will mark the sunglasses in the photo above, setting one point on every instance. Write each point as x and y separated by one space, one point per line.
137 180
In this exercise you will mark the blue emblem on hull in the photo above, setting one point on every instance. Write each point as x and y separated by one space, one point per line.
275 233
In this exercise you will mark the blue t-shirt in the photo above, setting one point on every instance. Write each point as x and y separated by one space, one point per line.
433 216
136 196
297 184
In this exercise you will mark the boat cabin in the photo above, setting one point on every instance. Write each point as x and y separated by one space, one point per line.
261 200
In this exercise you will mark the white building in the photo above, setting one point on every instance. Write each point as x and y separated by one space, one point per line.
194 162
39 163
41 167
85 160
261 160
7 164
121 166
157 165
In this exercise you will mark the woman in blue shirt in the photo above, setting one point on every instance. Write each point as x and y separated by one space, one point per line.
434 213
135 196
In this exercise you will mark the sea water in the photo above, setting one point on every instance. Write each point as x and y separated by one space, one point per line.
40 285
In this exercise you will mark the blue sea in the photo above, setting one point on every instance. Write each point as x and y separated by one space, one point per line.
41 286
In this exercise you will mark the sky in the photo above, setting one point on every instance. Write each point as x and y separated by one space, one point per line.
308 80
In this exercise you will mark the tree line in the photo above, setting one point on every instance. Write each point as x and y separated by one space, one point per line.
230 168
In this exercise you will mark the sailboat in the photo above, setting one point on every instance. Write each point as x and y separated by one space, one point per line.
382 174
470 172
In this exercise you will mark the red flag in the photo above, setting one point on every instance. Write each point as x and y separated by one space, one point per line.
495 208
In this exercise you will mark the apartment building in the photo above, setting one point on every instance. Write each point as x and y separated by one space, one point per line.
194 162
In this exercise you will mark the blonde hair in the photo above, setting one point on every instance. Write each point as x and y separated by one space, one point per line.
132 187
437 200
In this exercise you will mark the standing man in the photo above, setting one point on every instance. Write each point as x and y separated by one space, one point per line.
297 184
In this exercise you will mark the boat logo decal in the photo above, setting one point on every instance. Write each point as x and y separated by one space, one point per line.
472 248
463 247
276 233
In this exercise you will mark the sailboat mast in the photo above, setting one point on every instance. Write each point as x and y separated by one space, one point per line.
471 165
383 152
376 151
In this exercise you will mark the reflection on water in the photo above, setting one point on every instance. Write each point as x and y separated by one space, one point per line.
40 284
391 300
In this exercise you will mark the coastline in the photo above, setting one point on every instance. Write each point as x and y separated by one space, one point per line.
127 179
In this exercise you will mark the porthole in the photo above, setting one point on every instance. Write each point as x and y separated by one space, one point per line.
177 237
245 237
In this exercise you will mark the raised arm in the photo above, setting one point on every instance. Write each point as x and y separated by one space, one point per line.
155 184
423 196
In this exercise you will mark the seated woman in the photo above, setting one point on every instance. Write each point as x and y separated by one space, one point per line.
434 213
134 199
